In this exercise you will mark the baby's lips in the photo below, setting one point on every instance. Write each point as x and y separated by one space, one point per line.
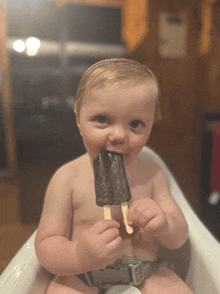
116 152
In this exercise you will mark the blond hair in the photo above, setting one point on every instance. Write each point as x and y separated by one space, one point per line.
113 70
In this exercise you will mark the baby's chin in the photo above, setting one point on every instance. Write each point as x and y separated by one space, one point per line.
128 159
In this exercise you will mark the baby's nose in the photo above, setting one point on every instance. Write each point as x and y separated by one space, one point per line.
118 134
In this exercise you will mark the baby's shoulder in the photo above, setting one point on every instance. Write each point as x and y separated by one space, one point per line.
70 170
146 165
145 169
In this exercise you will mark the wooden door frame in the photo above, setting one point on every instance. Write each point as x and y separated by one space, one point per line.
10 144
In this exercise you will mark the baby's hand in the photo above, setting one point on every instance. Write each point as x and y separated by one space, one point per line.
98 246
147 214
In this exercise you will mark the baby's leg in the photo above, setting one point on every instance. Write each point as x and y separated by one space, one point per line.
69 285
166 281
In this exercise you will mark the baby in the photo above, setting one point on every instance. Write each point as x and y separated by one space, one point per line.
116 105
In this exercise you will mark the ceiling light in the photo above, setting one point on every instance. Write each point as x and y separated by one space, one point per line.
19 45
33 44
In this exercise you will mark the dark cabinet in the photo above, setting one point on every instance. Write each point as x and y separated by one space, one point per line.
210 174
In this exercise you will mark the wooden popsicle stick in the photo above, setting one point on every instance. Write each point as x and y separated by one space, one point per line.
107 212
124 207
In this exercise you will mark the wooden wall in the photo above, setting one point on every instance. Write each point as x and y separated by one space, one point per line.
174 136
9 191
190 87
6 94
211 63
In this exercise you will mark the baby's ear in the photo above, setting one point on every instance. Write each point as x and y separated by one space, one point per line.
77 120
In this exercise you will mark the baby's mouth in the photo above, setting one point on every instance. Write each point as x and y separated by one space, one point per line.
125 154
115 152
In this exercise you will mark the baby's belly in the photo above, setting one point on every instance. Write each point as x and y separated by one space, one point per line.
139 243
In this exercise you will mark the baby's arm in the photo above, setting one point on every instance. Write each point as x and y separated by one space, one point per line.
55 251
175 233
160 215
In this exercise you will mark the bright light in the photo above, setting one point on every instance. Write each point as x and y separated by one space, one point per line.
33 44
19 46
31 53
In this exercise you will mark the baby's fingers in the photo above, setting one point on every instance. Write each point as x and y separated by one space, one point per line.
146 217
156 226
104 225
134 212
110 235
114 245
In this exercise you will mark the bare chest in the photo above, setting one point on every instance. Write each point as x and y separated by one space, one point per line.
87 213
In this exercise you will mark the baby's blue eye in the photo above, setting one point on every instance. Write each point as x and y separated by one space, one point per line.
136 124
102 119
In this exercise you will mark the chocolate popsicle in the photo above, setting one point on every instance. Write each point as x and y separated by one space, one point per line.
111 184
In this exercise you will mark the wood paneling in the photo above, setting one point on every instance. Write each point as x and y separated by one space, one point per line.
9 202
6 95
176 136
135 22
211 70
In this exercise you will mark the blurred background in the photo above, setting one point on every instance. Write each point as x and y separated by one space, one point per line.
46 46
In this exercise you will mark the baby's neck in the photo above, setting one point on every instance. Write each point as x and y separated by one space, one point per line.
90 160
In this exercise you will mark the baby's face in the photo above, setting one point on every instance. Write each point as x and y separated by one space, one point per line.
118 118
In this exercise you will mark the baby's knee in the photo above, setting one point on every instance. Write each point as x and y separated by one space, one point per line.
165 281
70 285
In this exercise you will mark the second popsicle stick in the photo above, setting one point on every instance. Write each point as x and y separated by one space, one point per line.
107 212
124 207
